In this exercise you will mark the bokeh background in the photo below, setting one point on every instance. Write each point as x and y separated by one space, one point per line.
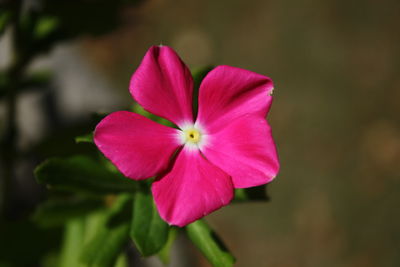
335 118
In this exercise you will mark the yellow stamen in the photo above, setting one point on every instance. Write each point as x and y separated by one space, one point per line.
192 135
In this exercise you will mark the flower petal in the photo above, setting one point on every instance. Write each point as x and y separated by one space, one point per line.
227 93
192 189
137 146
163 85
245 150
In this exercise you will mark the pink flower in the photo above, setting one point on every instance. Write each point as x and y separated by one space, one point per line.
229 145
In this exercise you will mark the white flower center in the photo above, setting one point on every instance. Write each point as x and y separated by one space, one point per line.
192 136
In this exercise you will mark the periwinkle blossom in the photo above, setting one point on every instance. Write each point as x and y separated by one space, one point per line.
197 166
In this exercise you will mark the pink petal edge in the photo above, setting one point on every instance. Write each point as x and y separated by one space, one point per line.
163 85
227 93
137 146
192 189
245 150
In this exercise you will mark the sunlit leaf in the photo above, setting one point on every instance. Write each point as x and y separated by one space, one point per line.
45 26
72 244
87 138
122 261
165 253
209 244
111 236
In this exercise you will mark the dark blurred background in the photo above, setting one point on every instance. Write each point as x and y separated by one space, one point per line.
335 116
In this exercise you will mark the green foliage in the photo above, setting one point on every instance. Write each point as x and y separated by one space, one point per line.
101 210
198 76
82 174
87 138
37 34
207 241
99 238
148 231
72 245
257 193
141 111
165 252
111 236
56 212
122 261
45 26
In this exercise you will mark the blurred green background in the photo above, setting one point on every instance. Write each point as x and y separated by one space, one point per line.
335 116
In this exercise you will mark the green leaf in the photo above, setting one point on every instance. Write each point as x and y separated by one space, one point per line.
45 26
72 244
165 252
38 33
57 211
258 193
122 261
198 76
139 110
82 174
209 244
111 236
87 138
148 231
